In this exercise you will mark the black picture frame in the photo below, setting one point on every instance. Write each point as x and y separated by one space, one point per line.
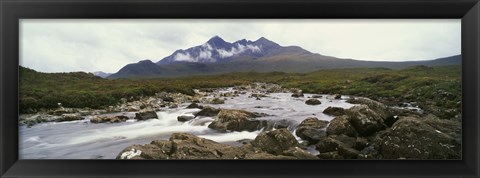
13 10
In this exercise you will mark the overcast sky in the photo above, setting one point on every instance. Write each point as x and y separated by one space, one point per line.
107 45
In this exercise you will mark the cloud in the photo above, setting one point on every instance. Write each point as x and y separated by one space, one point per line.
184 57
239 48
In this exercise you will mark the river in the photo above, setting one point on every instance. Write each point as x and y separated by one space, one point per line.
85 140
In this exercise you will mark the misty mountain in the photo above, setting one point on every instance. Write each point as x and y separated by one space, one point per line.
217 56
102 74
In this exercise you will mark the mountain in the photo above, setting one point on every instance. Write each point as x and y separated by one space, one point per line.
102 74
216 56
217 50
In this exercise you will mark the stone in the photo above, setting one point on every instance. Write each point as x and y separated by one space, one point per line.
275 142
311 129
365 120
208 111
145 115
313 102
415 138
340 125
237 120
334 111
194 105
185 118
69 117
109 119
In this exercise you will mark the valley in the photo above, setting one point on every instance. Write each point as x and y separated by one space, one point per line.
351 113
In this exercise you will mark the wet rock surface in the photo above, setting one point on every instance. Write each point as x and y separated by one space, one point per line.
311 129
313 102
275 142
414 138
109 119
144 115
237 120
334 111
188 146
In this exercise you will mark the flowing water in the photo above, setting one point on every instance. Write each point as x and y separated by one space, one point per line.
84 140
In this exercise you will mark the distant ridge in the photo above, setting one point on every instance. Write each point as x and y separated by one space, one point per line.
216 56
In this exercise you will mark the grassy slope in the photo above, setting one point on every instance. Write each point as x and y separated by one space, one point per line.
436 89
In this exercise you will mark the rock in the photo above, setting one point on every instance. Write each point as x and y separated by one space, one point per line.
348 153
317 96
298 153
334 111
194 105
330 155
340 125
217 101
369 153
342 144
237 120
381 109
185 146
412 137
275 142
173 105
69 117
258 95
133 109
208 111
311 129
168 99
31 120
244 141
188 146
279 124
365 120
110 119
337 96
313 102
184 118
297 94
361 143
265 156
146 115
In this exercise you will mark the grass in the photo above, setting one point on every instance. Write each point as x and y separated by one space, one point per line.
437 89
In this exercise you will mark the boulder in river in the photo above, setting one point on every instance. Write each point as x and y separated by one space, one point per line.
217 101
110 119
342 144
144 115
237 120
194 105
313 101
334 111
184 118
380 109
275 142
366 121
415 138
208 111
184 146
297 94
337 96
311 129
69 117
340 125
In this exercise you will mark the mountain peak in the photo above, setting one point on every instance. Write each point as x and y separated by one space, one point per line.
262 39
216 40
